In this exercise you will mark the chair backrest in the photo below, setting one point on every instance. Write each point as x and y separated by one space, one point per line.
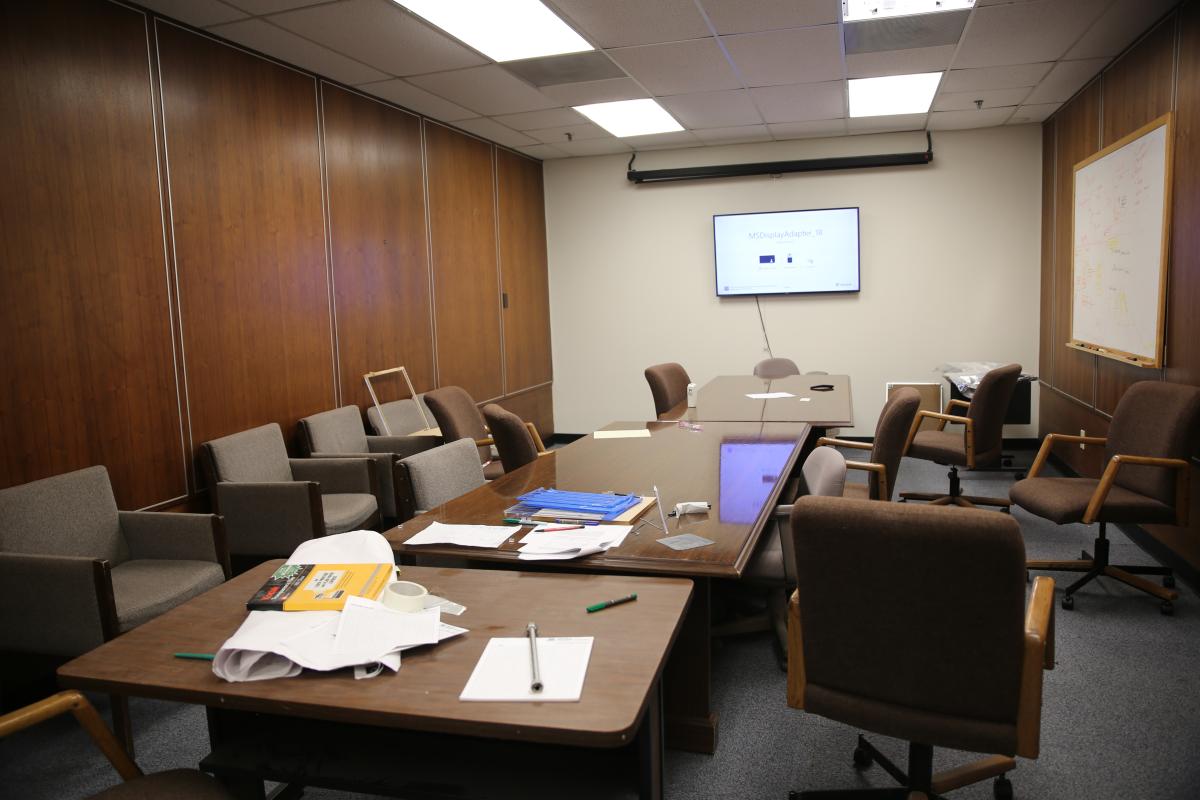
1154 419
824 473
402 417
254 456
457 416
923 640
443 473
989 406
668 384
513 441
337 431
776 368
67 515
891 434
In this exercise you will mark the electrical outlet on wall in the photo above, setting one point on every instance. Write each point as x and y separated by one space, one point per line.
1082 432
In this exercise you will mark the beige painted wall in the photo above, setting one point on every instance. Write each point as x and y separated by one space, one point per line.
950 270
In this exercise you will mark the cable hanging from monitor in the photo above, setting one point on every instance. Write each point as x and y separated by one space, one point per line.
763 324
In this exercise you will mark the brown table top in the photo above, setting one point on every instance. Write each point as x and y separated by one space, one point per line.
739 467
630 647
724 398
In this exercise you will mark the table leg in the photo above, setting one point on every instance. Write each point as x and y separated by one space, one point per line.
690 724
650 748
241 787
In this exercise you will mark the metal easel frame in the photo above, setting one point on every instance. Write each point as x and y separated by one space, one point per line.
411 391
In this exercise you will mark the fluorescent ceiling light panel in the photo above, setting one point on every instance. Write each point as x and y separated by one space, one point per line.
856 10
630 117
503 30
895 94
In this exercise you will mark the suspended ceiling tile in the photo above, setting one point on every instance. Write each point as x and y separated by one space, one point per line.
713 109
735 135
657 141
542 151
380 34
486 90
1023 33
679 67
200 13
1033 113
271 6
580 94
412 97
801 102
896 122
494 131
899 62
965 101
594 147
559 135
622 23
775 58
738 16
1010 77
809 130
534 120
958 120
1124 21
266 38
1066 79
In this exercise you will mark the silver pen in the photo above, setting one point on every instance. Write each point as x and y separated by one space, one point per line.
536 685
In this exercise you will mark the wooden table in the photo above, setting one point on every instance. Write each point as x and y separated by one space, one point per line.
407 733
740 467
724 398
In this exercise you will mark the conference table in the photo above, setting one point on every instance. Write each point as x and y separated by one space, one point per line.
822 401
407 734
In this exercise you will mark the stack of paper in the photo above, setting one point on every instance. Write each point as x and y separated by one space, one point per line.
505 671
542 545
465 535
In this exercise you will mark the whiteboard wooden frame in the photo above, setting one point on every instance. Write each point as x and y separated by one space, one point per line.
1136 359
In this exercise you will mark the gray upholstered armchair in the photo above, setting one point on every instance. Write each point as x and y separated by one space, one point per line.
340 432
437 476
78 572
272 503
401 417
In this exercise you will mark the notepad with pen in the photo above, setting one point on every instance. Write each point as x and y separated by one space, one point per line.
553 504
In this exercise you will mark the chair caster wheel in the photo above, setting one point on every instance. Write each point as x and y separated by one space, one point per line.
1169 581
862 759
1068 602
1167 609
1002 788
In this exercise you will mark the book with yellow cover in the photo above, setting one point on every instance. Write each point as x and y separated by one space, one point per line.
319 587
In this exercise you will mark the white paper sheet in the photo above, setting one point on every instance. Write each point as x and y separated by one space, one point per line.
639 433
505 672
371 629
539 545
770 395
465 535
352 547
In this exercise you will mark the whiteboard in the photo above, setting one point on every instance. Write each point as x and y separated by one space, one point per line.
1119 247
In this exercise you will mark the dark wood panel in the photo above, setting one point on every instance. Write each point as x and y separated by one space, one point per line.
380 253
462 229
85 336
534 405
1183 310
523 271
249 236
1058 413
1047 351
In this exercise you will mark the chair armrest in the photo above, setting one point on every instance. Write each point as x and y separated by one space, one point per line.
1038 656
88 718
1110 475
955 403
270 519
486 441
1049 442
537 437
185 537
403 446
795 654
826 440
56 605
337 475
383 465
880 474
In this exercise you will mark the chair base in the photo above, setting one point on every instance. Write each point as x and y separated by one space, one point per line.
1095 566
920 781
955 496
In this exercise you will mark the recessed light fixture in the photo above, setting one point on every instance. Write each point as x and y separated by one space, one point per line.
893 94
503 30
856 10
630 117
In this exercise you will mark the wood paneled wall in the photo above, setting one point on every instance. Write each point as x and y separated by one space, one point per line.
199 240
1160 73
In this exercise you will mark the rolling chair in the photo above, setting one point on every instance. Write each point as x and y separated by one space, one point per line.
458 418
517 442
771 368
887 448
668 385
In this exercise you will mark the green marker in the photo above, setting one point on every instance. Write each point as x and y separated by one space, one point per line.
611 603
196 656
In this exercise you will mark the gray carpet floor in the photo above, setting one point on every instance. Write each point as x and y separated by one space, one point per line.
1120 719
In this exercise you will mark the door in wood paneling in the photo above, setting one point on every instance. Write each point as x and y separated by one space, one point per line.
378 242
466 293
522 231
1183 310
1047 351
85 336
249 236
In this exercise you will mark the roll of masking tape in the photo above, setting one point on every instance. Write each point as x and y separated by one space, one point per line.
405 596
694 507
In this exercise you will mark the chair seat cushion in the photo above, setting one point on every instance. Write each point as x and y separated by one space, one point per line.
347 512
944 447
146 587
859 491
182 783
1064 500
493 469
767 562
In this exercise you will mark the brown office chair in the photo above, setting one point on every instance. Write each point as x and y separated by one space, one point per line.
887 448
770 368
459 418
934 644
980 443
668 383
186 784
517 442
1152 435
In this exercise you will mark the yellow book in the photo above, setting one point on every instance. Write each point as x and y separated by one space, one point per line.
319 587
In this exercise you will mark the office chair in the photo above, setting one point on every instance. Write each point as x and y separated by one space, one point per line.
887 448
517 442
979 445
459 418
1145 481
928 640
436 476
668 384
771 368
187 784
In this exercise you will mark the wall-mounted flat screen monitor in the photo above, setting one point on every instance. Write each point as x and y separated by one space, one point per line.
787 252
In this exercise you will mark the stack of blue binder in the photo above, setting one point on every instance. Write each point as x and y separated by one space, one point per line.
593 506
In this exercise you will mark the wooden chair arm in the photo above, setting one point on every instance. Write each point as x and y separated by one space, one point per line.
88 718
1038 655
826 440
944 418
954 403
880 472
1110 476
485 442
968 434
795 654
537 437
1049 442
